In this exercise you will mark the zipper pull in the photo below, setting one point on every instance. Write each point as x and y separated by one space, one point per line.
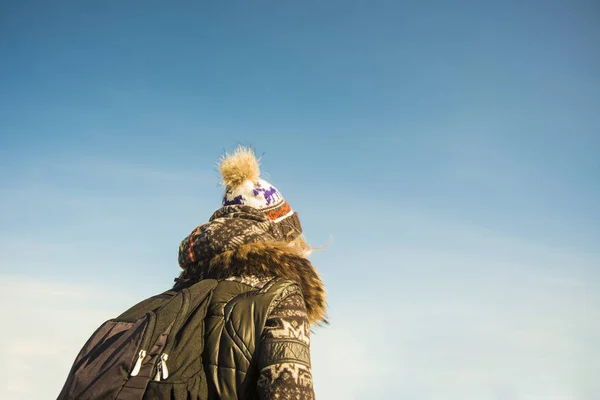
157 376
162 372
138 363
163 362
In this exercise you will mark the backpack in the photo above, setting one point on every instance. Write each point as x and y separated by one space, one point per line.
151 351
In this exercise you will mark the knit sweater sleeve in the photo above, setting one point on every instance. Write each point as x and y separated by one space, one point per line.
284 359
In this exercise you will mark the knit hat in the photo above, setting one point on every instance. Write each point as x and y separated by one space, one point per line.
243 186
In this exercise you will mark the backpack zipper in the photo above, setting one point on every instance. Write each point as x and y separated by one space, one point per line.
138 363
143 353
161 367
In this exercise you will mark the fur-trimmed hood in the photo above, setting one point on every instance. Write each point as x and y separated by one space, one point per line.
240 241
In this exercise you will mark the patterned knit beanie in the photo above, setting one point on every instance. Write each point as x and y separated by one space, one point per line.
243 186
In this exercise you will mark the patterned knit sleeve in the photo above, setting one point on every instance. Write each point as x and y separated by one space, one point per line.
284 354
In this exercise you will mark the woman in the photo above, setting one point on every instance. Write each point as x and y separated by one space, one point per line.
257 329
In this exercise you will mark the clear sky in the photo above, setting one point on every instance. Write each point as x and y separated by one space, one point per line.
449 149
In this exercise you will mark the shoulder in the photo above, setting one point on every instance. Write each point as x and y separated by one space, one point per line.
270 294
247 296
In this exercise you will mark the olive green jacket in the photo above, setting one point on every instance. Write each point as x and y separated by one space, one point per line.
233 328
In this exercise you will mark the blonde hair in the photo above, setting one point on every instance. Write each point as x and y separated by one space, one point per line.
303 248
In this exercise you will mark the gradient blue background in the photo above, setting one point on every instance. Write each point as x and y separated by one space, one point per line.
450 150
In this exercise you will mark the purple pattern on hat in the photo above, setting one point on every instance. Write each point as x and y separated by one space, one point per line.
269 193
237 200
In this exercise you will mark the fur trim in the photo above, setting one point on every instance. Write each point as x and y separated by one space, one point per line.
276 259
239 166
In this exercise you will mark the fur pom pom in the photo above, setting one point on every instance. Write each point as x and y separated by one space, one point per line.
239 166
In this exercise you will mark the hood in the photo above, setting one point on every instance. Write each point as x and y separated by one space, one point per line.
242 241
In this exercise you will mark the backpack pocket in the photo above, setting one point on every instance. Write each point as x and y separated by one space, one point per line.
113 356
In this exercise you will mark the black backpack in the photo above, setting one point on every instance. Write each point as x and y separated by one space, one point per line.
151 351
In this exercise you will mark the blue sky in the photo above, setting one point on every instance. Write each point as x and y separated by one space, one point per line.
450 149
